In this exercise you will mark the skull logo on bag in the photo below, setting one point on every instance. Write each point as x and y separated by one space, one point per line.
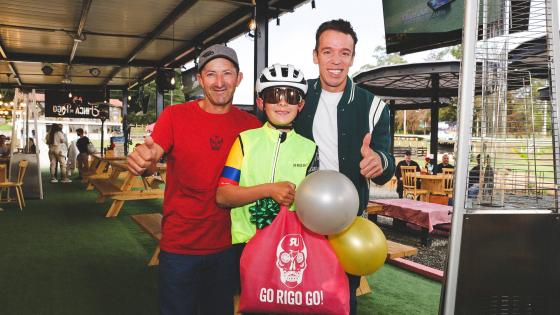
291 259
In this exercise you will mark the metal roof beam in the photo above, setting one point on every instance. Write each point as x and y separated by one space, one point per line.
179 11
185 53
85 32
43 86
79 60
249 3
169 20
78 37
10 64
413 106
178 57
212 35
428 93
149 74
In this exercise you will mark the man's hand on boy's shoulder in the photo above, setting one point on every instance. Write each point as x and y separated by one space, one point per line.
283 192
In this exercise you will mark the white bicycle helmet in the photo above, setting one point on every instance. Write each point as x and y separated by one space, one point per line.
281 75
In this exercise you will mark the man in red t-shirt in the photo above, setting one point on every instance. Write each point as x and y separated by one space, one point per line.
196 271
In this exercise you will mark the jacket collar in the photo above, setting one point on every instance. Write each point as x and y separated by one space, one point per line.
273 133
347 96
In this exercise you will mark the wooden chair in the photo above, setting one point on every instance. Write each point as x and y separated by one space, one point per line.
18 184
448 182
409 184
392 183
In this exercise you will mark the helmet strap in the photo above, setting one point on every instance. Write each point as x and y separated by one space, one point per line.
289 127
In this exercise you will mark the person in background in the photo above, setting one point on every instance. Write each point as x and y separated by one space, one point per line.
474 179
72 158
406 162
30 146
349 124
488 184
83 153
4 148
196 262
444 164
428 167
56 140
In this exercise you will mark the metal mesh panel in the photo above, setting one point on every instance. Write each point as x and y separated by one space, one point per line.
512 148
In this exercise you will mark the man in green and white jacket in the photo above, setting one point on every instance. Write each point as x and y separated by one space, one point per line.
349 124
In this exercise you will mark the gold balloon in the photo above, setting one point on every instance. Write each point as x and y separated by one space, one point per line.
361 248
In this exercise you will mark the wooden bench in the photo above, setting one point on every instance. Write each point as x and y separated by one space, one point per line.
121 186
398 250
151 224
394 250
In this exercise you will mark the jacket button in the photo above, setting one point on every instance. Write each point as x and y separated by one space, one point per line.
344 133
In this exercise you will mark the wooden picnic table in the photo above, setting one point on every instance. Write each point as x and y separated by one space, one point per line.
432 183
99 167
121 185
423 214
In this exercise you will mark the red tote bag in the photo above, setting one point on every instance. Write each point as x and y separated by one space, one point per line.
286 268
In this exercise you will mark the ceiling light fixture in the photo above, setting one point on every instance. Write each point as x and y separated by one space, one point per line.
69 94
95 72
253 22
47 69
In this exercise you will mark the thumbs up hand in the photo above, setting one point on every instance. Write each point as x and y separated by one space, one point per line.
145 157
370 165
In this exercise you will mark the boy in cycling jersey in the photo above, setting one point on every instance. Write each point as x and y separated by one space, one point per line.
266 164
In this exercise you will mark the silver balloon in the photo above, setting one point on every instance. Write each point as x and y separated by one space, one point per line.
327 202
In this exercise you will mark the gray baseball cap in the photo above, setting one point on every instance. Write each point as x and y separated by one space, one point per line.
217 51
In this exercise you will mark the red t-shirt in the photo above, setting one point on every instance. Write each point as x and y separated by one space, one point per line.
197 144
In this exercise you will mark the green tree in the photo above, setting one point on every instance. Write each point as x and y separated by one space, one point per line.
439 54
457 51
449 113
170 98
382 59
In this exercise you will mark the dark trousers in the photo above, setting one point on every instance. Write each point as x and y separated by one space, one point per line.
238 250
353 284
400 188
196 284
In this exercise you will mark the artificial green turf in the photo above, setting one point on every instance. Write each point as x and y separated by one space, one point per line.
62 256
396 291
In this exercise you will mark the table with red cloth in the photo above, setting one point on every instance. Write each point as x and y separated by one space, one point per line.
423 214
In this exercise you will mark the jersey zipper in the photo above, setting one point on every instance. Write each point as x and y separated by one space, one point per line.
281 138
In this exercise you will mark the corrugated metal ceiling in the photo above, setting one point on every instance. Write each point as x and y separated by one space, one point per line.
124 39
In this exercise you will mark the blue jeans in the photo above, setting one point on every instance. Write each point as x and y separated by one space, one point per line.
472 191
196 284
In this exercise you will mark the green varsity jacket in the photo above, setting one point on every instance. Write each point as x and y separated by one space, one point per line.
359 112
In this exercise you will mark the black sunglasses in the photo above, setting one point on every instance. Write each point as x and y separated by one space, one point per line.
273 95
